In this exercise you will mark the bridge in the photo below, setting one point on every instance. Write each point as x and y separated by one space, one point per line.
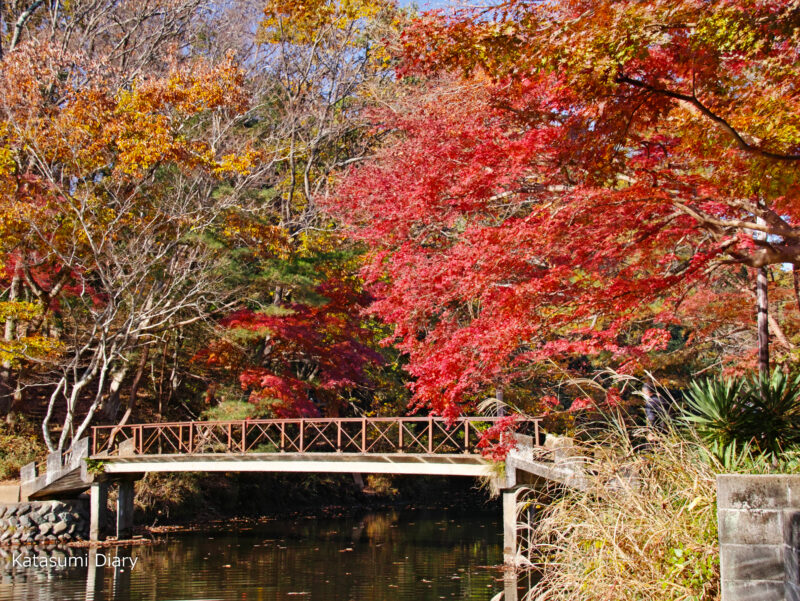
119 455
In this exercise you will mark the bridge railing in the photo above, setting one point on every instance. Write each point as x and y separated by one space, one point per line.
428 435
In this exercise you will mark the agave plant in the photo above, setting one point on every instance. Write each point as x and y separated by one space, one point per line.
762 413
718 410
774 409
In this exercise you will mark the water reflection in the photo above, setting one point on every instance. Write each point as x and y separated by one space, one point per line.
388 556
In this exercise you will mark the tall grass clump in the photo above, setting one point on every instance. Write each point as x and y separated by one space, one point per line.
645 529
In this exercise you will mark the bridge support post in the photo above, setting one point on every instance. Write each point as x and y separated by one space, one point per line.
125 509
510 543
97 509
510 584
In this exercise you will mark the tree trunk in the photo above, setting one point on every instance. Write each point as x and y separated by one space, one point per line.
137 378
762 305
762 312
7 387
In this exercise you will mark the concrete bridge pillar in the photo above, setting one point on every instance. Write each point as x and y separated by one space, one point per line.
510 586
125 509
97 514
510 542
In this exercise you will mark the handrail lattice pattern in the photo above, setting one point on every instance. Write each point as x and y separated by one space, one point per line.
429 435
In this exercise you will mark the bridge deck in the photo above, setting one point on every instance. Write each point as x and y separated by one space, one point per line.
377 463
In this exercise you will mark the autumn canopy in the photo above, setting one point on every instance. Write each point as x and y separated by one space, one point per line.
576 179
346 207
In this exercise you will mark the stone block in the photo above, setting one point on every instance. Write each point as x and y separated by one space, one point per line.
127 447
79 450
762 491
59 528
750 527
27 473
53 464
751 562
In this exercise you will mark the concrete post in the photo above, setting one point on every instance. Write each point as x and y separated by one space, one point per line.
54 466
510 527
755 515
97 510
125 509
510 586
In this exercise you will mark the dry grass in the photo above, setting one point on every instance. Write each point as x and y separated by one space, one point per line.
646 531
19 445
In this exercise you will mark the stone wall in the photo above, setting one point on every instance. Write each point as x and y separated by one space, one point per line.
44 521
758 536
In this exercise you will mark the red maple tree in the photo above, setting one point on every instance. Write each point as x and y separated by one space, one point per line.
567 173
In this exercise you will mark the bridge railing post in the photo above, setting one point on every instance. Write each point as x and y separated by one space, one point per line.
244 436
363 434
302 435
430 434
191 437
338 436
466 435
400 435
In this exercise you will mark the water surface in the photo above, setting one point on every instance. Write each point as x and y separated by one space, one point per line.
387 556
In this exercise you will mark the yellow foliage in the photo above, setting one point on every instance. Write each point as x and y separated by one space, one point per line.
304 21
19 309
237 164
36 348
7 163
269 240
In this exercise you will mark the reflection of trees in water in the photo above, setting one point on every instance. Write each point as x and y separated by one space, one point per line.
390 556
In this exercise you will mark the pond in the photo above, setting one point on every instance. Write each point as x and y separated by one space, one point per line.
391 555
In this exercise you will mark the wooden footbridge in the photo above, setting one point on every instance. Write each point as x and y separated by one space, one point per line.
118 456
